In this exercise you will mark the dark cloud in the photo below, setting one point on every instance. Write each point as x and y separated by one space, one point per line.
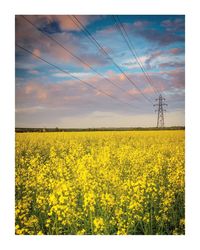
162 38
172 31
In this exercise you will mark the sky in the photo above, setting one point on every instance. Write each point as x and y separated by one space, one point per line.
85 87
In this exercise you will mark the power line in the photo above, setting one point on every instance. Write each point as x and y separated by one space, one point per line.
75 56
133 50
131 47
89 35
68 73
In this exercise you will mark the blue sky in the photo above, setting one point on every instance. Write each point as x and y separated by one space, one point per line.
47 97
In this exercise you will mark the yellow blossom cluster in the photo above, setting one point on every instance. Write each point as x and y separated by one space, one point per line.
129 182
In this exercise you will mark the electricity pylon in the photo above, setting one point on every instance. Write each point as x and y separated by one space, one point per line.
160 110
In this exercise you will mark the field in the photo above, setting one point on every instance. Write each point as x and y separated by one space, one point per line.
100 183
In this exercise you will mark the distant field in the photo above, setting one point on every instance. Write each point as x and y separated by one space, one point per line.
116 182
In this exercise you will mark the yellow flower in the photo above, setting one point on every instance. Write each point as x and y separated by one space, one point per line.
120 182
81 232
121 231
40 233
98 225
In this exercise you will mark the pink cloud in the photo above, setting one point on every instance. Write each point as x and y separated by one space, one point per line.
133 92
34 40
140 24
59 53
51 95
71 98
37 52
148 90
107 31
72 93
176 51
177 78
168 80
122 77
67 24
64 21
39 44
98 93
37 90
34 72
111 74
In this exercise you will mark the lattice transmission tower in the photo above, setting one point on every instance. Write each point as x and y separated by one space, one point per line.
160 110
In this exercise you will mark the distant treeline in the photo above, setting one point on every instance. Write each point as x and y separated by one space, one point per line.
23 130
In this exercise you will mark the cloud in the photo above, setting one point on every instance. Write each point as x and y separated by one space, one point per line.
75 93
162 38
177 24
34 40
36 52
165 58
146 90
29 110
140 24
172 65
173 32
169 80
51 95
80 75
133 92
34 72
42 91
67 24
177 78
36 90
131 63
75 100
60 22
153 56
176 51
122 77
93 59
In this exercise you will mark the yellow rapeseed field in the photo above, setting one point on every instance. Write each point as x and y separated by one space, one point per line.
100 183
